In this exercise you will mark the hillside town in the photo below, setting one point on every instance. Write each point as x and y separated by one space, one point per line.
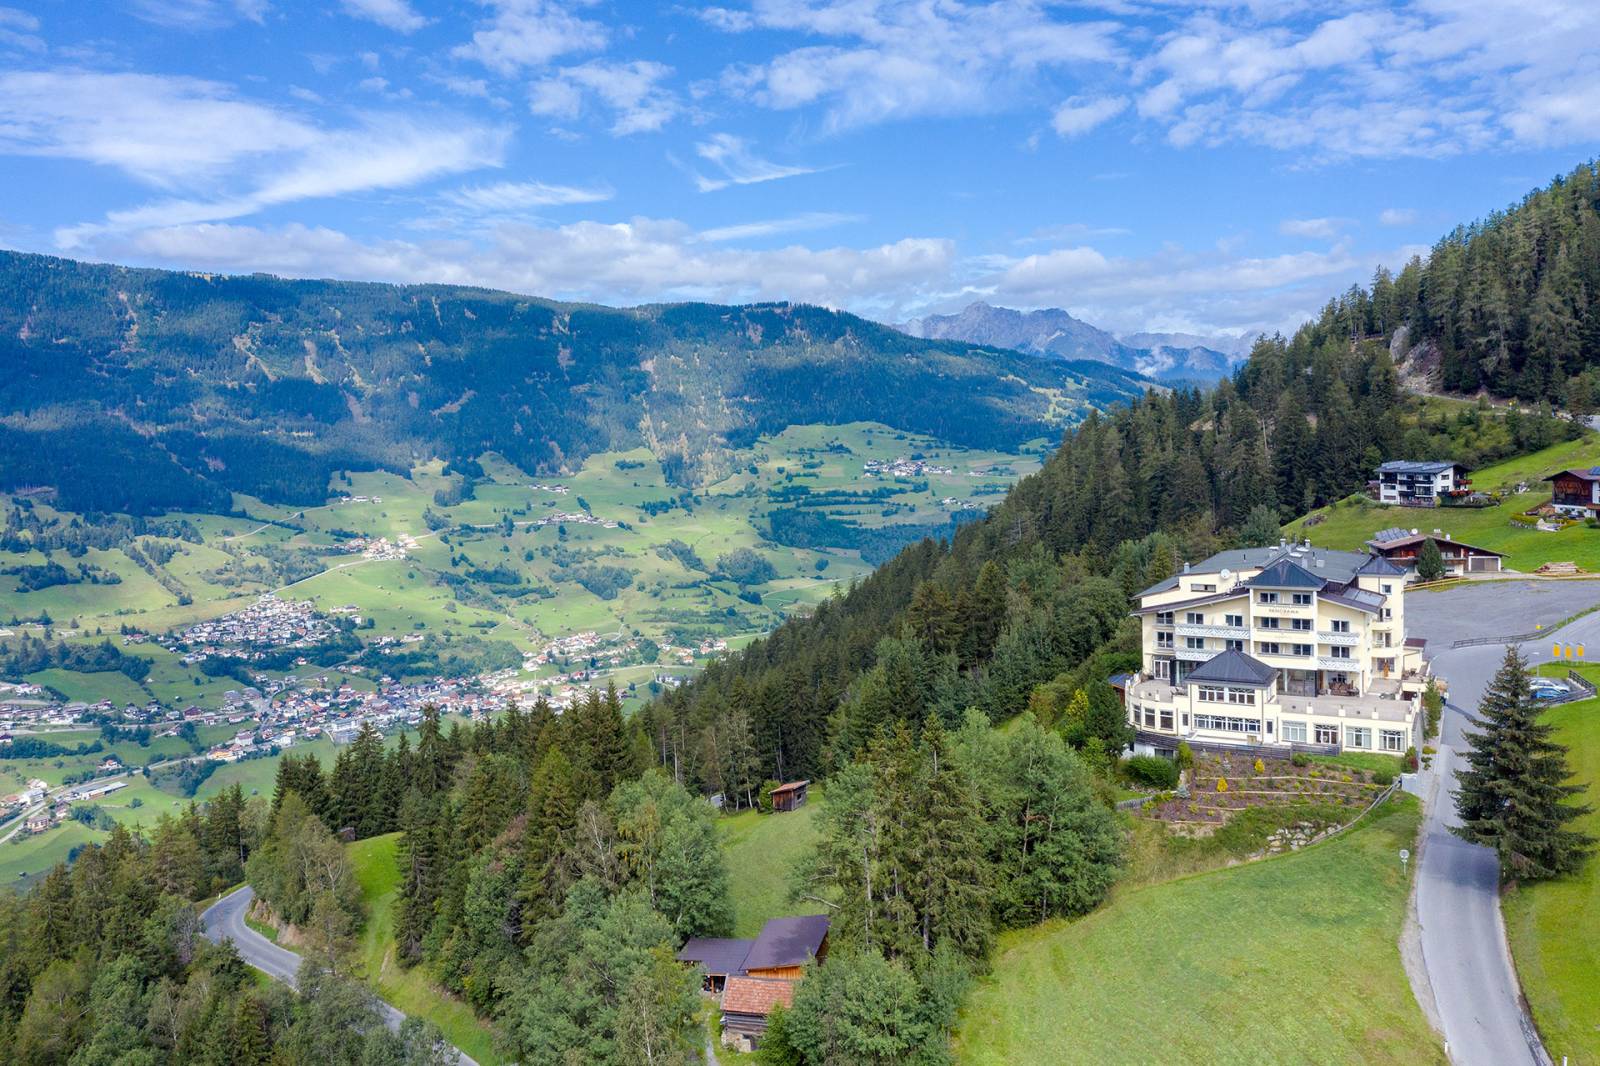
267 624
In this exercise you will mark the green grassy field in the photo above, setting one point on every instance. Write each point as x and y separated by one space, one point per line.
1560 971
761 850
1287 960
1350 523
409 990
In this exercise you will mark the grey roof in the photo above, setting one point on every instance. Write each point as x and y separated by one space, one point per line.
1588 474
1285 573
717 955
1360 599
1404 466
1233 668
787 942
1378 566
1198 601
1338 567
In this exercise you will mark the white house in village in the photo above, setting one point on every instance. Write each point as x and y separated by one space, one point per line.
1286 646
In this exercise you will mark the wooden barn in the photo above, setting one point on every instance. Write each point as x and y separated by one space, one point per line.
750 976
790 797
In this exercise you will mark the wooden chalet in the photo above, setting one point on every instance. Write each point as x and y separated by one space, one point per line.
751 976
790 797
1401 547
1576 492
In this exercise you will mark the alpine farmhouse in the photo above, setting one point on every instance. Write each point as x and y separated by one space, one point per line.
1287 648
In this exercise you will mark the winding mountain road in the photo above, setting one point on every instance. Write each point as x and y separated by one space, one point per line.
1463 936
224 920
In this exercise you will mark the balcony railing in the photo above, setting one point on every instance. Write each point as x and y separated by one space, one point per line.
1349 640
1328 662
1196 655
1190 629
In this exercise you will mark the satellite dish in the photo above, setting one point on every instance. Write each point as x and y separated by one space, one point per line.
1226 574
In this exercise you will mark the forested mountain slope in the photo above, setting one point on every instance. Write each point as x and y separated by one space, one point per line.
1017 611
141 390
1510 303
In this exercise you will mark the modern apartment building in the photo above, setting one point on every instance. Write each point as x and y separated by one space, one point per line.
1287 646
1421 484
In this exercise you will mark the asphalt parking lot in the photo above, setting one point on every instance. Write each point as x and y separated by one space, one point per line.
1495 608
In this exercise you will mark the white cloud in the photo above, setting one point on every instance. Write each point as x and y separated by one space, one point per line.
530 33
397 15
160 130
507 196
624 262
739 164
19 30
632 92
1397 216
893 59
812 220
1079 115
1313 228
198 14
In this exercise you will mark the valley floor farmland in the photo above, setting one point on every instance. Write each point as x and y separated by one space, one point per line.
1288 960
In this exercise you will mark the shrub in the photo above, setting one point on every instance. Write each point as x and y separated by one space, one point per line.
1222 784
1383 778
1151 770
1185 755
1300 758
1261 767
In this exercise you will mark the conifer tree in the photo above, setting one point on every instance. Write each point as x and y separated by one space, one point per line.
1430 561
1513 796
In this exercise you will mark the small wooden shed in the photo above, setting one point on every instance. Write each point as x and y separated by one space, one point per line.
790 797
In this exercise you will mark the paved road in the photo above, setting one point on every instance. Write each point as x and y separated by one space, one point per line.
1458 903
224 920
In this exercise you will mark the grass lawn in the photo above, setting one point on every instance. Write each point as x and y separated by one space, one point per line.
1348 524
1363 760
1560 971
1288 960
761 850
409 990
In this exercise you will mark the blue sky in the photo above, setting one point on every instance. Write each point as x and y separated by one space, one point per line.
1216 167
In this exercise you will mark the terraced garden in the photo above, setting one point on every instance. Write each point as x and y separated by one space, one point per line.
1219 787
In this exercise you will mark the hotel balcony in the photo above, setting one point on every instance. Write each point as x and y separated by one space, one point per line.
1328 662
1196 655
1348 640
1187 629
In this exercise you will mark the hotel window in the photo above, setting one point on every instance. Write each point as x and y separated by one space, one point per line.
1327 734
1150 717
1266 597
1233 645
1339 652
1195 643
1301 649
1163 618
1242 695
1195 618
1209 694
1268 647
1268 623
1233 619
1294 732
1387 588
1340 625
1385 614
1392 740
1226 724
1302 599
1203 588
1357 736
1163 640
1166 720
1302 624
1164 668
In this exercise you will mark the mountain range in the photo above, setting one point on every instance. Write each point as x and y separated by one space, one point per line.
1170 357
139 390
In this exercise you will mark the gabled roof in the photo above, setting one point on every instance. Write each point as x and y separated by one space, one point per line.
1591 473
1414 540
1360 599
1378 566
1198 601
792 786
1285 574
1233 668
756 995
717 955
1404 466
787 942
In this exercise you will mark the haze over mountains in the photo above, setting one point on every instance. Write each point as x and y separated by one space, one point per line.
1051 331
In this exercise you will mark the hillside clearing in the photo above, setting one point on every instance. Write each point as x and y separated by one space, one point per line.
1292 959
761 850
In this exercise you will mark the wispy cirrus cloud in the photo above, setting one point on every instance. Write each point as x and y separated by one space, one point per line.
507 196
397 15
738 164
634 94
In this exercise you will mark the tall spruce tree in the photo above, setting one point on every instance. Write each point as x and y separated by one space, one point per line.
1513 797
